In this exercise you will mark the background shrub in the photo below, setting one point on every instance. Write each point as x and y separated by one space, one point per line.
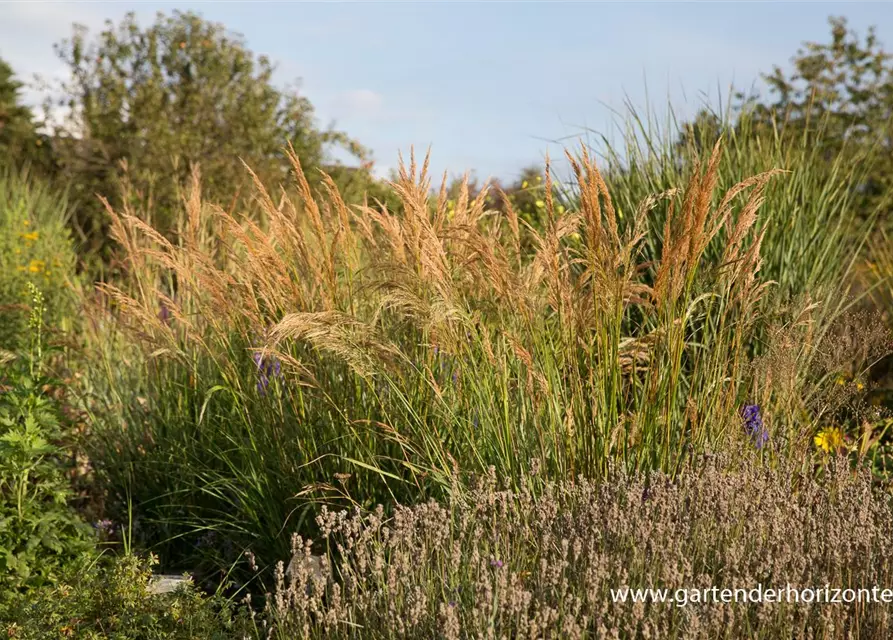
109 597
148 102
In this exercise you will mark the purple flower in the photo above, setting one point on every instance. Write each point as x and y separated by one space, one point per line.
268 368
105 527
496 563
753 425
164 314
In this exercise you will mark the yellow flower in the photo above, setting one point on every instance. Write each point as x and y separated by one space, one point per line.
26 222
524 184
37 266
540 204
860 386
31 237
829 439
841 380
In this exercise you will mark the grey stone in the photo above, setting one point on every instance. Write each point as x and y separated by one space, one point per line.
168 583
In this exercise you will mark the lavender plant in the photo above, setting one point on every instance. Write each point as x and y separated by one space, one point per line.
501 563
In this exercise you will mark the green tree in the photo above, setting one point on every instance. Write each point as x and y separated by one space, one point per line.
156 100
838 96
847 78
20 142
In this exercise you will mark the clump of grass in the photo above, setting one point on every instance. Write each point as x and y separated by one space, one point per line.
815 232
356 355
501 563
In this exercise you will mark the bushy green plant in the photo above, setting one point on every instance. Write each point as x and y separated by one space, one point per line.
36 248
111 598
846 84
148 102
39 531
20 143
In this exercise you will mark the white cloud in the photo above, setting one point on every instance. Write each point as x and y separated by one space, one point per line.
29 30
49 17
382 171
358 102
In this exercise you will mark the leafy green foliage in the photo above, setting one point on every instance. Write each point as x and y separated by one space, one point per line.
20 142
846 78
111 598
39 532
147 103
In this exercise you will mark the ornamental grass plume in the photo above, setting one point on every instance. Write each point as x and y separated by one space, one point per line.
587 354
568 344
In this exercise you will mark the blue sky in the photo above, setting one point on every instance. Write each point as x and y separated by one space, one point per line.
487 84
